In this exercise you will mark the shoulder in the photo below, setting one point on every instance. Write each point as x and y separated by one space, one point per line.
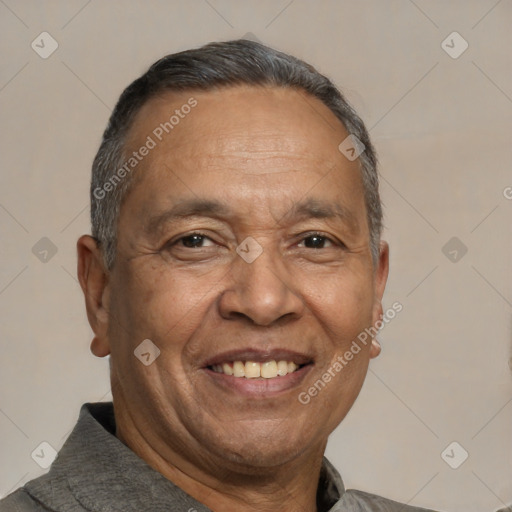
21 501
44 494
359 501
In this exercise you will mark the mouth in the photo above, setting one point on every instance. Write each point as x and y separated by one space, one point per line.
255 370
258 374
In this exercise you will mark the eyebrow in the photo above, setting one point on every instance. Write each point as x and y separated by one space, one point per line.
308 208
189 208
321 209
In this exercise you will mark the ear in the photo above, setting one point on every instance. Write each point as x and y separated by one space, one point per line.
94 281
381 277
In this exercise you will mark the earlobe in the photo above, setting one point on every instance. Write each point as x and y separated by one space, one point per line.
381 276
375 348
93 279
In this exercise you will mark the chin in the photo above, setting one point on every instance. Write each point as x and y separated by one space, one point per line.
263 448
251 462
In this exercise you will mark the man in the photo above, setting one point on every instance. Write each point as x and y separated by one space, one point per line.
234 273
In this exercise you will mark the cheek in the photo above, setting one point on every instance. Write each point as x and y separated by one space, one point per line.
157 307
344 310
344 306
149 300
164 306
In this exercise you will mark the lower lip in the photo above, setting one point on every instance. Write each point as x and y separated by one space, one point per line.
260 387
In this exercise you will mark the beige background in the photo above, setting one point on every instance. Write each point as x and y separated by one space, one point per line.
442 127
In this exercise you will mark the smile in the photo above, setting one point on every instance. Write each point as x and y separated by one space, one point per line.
254 370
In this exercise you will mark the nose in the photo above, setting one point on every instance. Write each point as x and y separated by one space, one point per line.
260 291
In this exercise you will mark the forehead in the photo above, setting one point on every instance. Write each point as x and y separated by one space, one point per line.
257 140
239 121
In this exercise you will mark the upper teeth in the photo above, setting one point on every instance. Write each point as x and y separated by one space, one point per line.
253 370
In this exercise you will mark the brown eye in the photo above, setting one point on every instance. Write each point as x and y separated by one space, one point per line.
192 241
316 241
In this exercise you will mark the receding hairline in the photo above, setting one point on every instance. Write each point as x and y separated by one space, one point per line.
171 95
132 139
219 65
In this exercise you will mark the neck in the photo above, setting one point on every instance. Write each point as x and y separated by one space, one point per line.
219 484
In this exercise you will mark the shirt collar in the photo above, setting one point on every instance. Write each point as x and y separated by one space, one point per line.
104 475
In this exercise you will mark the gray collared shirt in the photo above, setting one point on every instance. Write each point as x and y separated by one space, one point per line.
94 471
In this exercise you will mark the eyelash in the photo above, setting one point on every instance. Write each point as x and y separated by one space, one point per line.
304 237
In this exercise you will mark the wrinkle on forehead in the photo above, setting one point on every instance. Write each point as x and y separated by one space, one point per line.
237 137
228 114
264 153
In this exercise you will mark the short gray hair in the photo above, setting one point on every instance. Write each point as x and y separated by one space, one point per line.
214 66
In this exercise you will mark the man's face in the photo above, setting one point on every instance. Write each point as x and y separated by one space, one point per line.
268 160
